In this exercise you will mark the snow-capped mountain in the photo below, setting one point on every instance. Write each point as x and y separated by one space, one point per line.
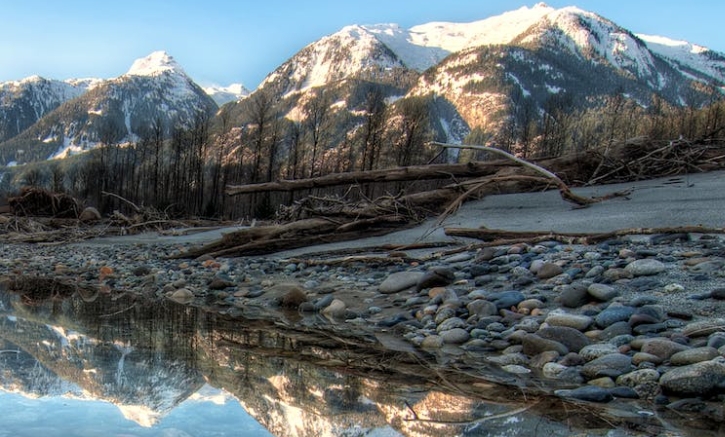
226 94
26 101
539 51
154 90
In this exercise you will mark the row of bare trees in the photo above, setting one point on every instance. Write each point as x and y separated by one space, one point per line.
184 170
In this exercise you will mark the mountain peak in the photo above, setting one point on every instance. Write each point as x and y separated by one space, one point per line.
154 64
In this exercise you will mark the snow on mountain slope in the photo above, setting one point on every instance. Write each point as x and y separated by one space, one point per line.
226 94
687 55
423 46
342 55
26 101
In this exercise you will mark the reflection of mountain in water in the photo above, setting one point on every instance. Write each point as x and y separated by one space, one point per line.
148 357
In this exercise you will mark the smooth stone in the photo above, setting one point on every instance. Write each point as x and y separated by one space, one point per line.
450 323
611 365
645 267
576 321
455 336
516 369
482 308
697 379
662 347
437 277
432 342
549 270
529 324
615 330
694 355
598 350
643 357
603 382
637 377
623 392
588 393
552 370
704 328
613 314
182 295
572 338
399 281
336 309
540 360
506 299
573 296
534 345
602 292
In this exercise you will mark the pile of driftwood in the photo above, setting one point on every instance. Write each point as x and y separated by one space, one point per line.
319 219
38 202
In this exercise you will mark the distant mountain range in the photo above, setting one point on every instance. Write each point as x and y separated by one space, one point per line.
475 72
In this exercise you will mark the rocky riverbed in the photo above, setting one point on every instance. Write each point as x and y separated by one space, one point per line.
634 318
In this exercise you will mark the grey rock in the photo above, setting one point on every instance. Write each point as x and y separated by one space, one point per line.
613 314
573 296
549 270
399 281
437 277
597 350
572 338
704 328
615 330
662 347
697 379
534 345
576 321
506 299
482 308
694 355
454 336
588 393
602 292
450 323
638 377
432 342
611 365
552 370
645 267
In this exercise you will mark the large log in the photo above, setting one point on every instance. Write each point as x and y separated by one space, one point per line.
429 172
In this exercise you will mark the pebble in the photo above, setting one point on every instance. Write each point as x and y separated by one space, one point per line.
645 267
582 314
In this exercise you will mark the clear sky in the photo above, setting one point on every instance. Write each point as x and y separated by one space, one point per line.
241 41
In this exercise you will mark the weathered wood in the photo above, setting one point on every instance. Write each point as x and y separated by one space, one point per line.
496 235
398 174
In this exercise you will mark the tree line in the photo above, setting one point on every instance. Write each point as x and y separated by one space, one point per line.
183 171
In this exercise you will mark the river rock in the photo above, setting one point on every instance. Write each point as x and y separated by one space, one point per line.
437 277
573 339
552 370
638 377
662 347
613 314
482 308
704 328
645 267
549 270
432 342
611 365
506 299
336 309
602 292
694 355
573 296
399 281
454 336
597 350
697 379
182 295
534 345
576 321
586 393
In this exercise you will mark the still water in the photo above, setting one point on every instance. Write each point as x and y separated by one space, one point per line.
132 367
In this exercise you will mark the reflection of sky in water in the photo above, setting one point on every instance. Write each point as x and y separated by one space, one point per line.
210 413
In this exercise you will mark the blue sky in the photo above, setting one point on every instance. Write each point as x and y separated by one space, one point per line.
241 41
